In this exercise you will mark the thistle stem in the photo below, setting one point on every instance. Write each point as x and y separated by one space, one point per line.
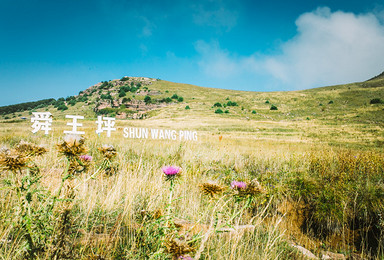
170 199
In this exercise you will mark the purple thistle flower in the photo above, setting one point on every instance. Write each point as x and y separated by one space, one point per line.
238 185
171 170
185 257
85 157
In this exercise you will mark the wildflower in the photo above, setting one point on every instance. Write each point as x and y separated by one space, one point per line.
253 188
11 160
156 214
72 145
30 148
238 185
178 247
111 169
211 188
76 167
85 158
185 257
73 140
171 172
108 151
250 189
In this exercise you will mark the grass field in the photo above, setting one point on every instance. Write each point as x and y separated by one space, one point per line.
312 174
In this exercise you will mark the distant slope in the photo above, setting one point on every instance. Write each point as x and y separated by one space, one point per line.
380 76
26 106
141 98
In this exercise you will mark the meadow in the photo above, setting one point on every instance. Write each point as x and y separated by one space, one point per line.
295 183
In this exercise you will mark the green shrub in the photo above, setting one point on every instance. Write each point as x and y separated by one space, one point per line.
125 88
232 104
330 102
267 102
187 107
175 96
168 100
69 98
180 99
217 104
126 100
273 107
62 107
341 190
376 101
226 111
106 97
122 93
218 111
253 111
106 111
72 102
147 100
104 85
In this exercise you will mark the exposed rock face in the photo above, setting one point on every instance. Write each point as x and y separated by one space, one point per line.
135 109
148 93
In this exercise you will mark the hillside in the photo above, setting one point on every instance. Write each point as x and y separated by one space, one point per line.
334 114
271 175
380 76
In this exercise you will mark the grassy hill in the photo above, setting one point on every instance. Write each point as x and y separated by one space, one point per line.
259 183
336 115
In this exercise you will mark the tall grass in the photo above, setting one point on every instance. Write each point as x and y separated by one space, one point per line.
131 212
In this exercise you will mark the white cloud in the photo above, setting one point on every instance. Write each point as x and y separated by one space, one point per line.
329 48
147 28
215 14
214 61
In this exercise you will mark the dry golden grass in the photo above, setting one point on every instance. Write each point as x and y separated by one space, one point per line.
107 210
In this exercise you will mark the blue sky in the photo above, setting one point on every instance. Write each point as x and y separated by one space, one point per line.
58 48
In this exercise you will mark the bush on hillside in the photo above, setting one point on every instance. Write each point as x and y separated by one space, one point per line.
232 104
106 97
122 93
72 102
83 98
273 107
376 101
147 100
62 107
218 111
